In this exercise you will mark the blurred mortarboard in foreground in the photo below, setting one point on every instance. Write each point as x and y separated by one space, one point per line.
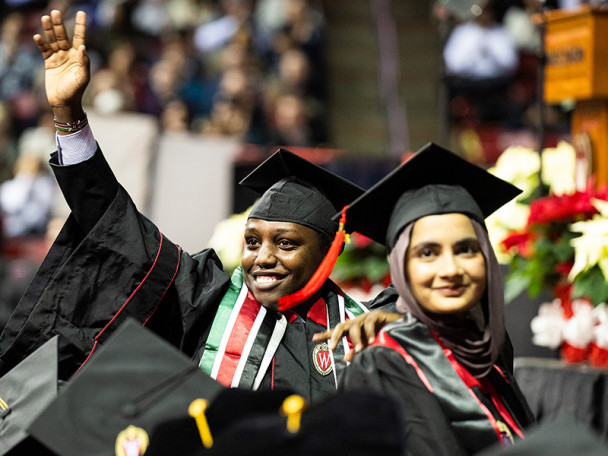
563 436
25 391
253 423
296 190
134 382
229 407
433 181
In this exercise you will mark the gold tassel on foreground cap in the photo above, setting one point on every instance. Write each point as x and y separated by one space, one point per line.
197 411
292 407
321 274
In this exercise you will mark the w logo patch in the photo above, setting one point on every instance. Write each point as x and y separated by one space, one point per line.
321 357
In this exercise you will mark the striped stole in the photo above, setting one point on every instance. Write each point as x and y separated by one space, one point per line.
244 335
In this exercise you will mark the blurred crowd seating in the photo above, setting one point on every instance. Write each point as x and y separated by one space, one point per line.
250 70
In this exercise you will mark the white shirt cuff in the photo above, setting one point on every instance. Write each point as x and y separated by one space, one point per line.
76 147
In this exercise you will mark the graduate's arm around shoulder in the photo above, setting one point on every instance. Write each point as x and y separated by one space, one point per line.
86 180
361 330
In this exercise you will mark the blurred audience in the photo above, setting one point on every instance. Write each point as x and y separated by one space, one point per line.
242 68
248 69
197 65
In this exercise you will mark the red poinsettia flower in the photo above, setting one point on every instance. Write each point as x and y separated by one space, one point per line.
598 356
563 291
521 241
572 354
564 268
386 280
575 206
359 240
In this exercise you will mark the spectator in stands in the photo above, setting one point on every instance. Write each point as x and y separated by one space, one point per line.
292 102
113 86
8 147
480 61
27 199
18 70
291 122
481 50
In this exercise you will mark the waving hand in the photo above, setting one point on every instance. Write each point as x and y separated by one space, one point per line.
67 71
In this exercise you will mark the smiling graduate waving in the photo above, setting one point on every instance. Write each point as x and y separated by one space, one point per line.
109 262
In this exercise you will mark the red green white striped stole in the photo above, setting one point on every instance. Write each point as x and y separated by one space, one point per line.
244 335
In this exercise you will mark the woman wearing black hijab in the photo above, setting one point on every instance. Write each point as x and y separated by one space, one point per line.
442 360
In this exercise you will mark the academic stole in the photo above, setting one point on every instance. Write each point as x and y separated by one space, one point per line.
244 335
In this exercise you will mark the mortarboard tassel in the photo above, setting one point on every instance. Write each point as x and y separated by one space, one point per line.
321 274
292 408
197 411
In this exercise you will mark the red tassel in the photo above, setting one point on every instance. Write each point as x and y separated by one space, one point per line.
321 274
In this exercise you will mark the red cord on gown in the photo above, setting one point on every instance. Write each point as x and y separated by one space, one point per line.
321 274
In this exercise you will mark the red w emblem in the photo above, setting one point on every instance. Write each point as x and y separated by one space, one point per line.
321 358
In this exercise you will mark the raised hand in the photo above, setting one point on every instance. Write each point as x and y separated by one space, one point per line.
67 69
362 331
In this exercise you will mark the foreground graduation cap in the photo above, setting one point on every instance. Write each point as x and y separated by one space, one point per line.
252 423
132 384
25 391
296 190
434 181
133 396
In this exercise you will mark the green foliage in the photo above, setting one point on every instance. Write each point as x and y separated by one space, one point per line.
356 263
540 270
591 284
515 284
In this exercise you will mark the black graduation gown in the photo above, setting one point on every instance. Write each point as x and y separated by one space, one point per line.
446 421
109 262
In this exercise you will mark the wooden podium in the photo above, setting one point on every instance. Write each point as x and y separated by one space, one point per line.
576 46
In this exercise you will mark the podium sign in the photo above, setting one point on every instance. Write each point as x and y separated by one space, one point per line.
576 46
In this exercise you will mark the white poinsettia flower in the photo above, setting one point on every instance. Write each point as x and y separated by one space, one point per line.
578 330
558 165
497 233
520 166
548 324
513 216
227 239
591 247
601 206
600 330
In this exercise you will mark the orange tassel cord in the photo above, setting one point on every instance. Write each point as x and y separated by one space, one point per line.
321 274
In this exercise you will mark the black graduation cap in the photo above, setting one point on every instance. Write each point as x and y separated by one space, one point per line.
254 423
433 181
296 190
25 391
134 382
232 406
